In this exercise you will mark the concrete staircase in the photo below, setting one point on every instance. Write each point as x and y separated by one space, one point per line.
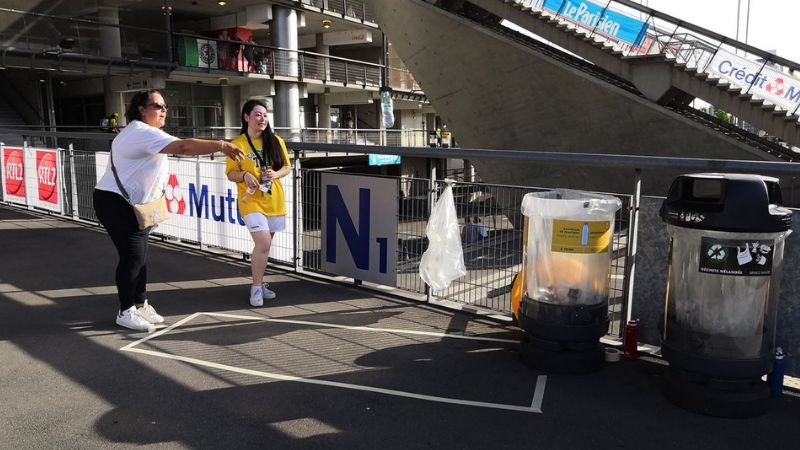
678 102
660 78
9 119
497 90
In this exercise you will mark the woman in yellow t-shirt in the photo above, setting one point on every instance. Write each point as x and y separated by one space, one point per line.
260 193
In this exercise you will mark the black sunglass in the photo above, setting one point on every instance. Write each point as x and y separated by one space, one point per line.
160 106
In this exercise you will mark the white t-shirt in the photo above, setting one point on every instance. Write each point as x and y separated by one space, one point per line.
141 167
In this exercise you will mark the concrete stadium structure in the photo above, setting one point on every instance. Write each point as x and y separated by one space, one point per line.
496 92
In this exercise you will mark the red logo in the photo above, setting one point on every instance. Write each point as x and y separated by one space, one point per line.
14 172
174 196
776 88
47 175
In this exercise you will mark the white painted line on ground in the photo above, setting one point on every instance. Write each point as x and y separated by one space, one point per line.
538 393
356 387
159 333
346 327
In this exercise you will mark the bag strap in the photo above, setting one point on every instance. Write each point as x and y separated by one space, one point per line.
116 178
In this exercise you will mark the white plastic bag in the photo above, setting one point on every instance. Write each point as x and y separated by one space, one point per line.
443 261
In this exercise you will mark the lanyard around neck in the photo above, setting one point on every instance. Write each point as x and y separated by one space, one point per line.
262 158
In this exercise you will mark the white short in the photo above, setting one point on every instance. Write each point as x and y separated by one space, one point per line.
256 222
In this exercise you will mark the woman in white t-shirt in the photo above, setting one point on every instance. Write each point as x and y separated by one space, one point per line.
140 157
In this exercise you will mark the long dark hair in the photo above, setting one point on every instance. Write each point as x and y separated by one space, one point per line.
269 141
140 99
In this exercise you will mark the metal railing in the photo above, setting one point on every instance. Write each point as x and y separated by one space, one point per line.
351 9
403 80
98 139
75 42
492 262
51 34
358 136
245 58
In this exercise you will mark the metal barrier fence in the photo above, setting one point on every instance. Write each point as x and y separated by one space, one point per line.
198 190
202 202
492 256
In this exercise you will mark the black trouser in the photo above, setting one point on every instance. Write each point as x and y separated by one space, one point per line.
118 218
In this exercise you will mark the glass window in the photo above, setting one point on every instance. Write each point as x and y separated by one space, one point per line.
193 109
207 95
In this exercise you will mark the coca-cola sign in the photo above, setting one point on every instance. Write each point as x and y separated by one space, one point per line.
347 37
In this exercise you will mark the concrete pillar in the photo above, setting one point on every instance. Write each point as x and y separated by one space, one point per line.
323 106
232 107
324 111
113 101
287 93
110 42
323 49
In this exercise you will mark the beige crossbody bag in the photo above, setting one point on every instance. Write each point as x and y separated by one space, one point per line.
147 214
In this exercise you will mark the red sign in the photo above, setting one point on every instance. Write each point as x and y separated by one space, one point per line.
14 171
47 176
174 196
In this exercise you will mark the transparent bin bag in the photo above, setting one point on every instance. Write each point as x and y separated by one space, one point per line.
443 261
723 292
568 246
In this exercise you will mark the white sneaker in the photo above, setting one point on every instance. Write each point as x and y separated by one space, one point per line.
266 293
130 318
255 296
149 313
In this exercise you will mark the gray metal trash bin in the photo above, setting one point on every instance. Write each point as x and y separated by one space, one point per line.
727 237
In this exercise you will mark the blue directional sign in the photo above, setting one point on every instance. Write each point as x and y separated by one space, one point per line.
382 160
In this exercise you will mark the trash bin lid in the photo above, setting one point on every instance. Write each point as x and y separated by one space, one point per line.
726 202
563 203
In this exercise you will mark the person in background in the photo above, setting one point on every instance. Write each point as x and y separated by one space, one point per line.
140 158
350 124
260 193
482 233
222 50
233 51
249 45
113 123
258 59
470 232
403 254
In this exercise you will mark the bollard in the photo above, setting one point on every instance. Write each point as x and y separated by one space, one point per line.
775 378
631 341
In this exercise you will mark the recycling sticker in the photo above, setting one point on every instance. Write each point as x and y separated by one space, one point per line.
736 257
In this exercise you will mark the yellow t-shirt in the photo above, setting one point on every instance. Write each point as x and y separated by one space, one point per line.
269 205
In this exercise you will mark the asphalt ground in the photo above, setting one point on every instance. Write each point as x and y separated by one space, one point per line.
323 366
